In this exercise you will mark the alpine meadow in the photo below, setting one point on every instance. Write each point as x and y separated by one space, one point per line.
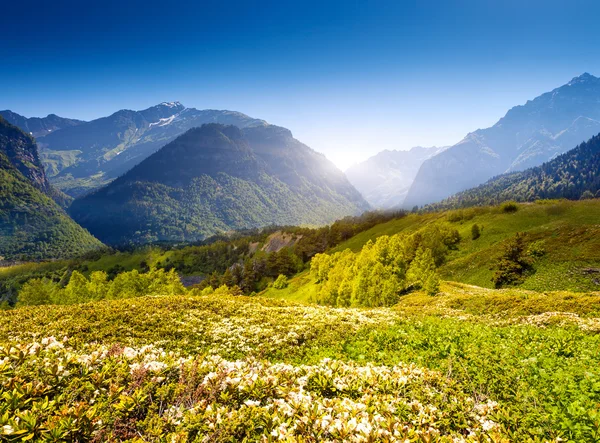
370 222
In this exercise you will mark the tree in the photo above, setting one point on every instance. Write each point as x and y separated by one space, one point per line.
37 292
586 195
76 290
422 272
281 282
432 284
227 279
475 232
512 264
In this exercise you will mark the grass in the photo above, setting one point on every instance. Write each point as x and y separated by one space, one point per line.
570 232
301 288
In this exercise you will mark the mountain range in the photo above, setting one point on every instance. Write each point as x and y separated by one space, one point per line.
573 175
32 224
385 178
39 126
84 156
218 178
526 136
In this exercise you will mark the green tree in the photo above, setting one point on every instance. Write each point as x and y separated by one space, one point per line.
281 282
422 272
38 292
475 232
512 264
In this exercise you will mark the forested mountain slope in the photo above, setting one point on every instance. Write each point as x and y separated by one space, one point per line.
33 226
218 178
526 136
573 175
83 157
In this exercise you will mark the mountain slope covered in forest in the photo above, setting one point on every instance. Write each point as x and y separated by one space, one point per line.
32 225
526 136
573 175
91 154
218 178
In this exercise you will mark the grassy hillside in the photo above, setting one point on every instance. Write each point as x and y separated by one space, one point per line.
468 365
569 231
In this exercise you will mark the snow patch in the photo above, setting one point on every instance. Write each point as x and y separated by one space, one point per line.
163 121
171 104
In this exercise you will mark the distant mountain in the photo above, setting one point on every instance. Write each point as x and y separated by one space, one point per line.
385 178
572 175
526 136
39 126
32 225
84 157
218 178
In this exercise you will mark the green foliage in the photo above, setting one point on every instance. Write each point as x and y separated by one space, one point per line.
80 289
422 272
381 270
513 263
537 249
475 232
281 282
509 207
507 365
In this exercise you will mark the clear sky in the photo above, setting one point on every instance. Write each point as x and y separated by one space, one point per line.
349 78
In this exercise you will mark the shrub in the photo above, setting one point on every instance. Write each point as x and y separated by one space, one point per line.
80 289
536 249
509 207
281 282
513 263
475 232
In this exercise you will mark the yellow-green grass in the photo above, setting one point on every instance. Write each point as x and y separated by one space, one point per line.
570 232
301 288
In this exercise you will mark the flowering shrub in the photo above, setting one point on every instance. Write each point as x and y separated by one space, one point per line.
468 365
53 392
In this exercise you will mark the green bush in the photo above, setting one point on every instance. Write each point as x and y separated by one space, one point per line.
475 232
509 207
281 282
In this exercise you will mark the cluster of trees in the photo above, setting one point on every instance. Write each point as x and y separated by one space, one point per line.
256 271
253 270
382 270
239 252
574 175
98 286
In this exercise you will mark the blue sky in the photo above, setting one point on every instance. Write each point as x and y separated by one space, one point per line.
349 78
